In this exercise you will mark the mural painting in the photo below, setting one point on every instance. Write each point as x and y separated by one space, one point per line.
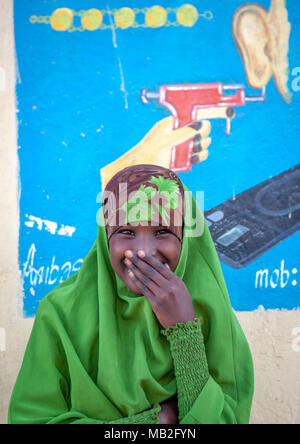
206 89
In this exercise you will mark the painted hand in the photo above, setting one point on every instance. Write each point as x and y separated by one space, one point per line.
155 148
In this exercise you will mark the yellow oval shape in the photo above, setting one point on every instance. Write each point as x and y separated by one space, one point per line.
92 19
187 15
61 19
156 16
124 18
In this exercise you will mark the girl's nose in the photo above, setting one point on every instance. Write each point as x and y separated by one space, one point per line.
146 249
142 252
145 243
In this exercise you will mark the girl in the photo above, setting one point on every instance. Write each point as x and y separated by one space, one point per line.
144 332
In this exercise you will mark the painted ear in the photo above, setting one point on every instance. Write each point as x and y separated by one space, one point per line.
262 38
280 30
252 37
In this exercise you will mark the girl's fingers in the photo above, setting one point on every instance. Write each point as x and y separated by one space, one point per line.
156 264
144 278
149 271
141 285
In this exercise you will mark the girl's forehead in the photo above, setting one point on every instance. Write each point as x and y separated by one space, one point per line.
152 198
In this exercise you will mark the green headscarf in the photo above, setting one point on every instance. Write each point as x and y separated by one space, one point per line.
96 352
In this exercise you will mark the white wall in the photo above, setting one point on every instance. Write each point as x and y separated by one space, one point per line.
274 336
14 330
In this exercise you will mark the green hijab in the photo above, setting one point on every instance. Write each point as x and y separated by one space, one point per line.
96 352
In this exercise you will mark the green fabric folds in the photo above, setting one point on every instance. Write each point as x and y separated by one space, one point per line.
96 353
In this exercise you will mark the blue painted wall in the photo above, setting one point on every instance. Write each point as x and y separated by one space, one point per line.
74 118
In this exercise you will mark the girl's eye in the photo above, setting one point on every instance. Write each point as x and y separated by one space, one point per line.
163 231
126 232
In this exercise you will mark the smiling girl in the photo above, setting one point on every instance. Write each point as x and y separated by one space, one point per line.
144 332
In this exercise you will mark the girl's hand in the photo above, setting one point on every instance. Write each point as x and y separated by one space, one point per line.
166 292
169 411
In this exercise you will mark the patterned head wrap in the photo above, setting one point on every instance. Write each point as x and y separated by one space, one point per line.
142 193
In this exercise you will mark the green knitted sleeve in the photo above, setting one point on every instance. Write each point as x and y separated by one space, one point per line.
190 363
146 417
